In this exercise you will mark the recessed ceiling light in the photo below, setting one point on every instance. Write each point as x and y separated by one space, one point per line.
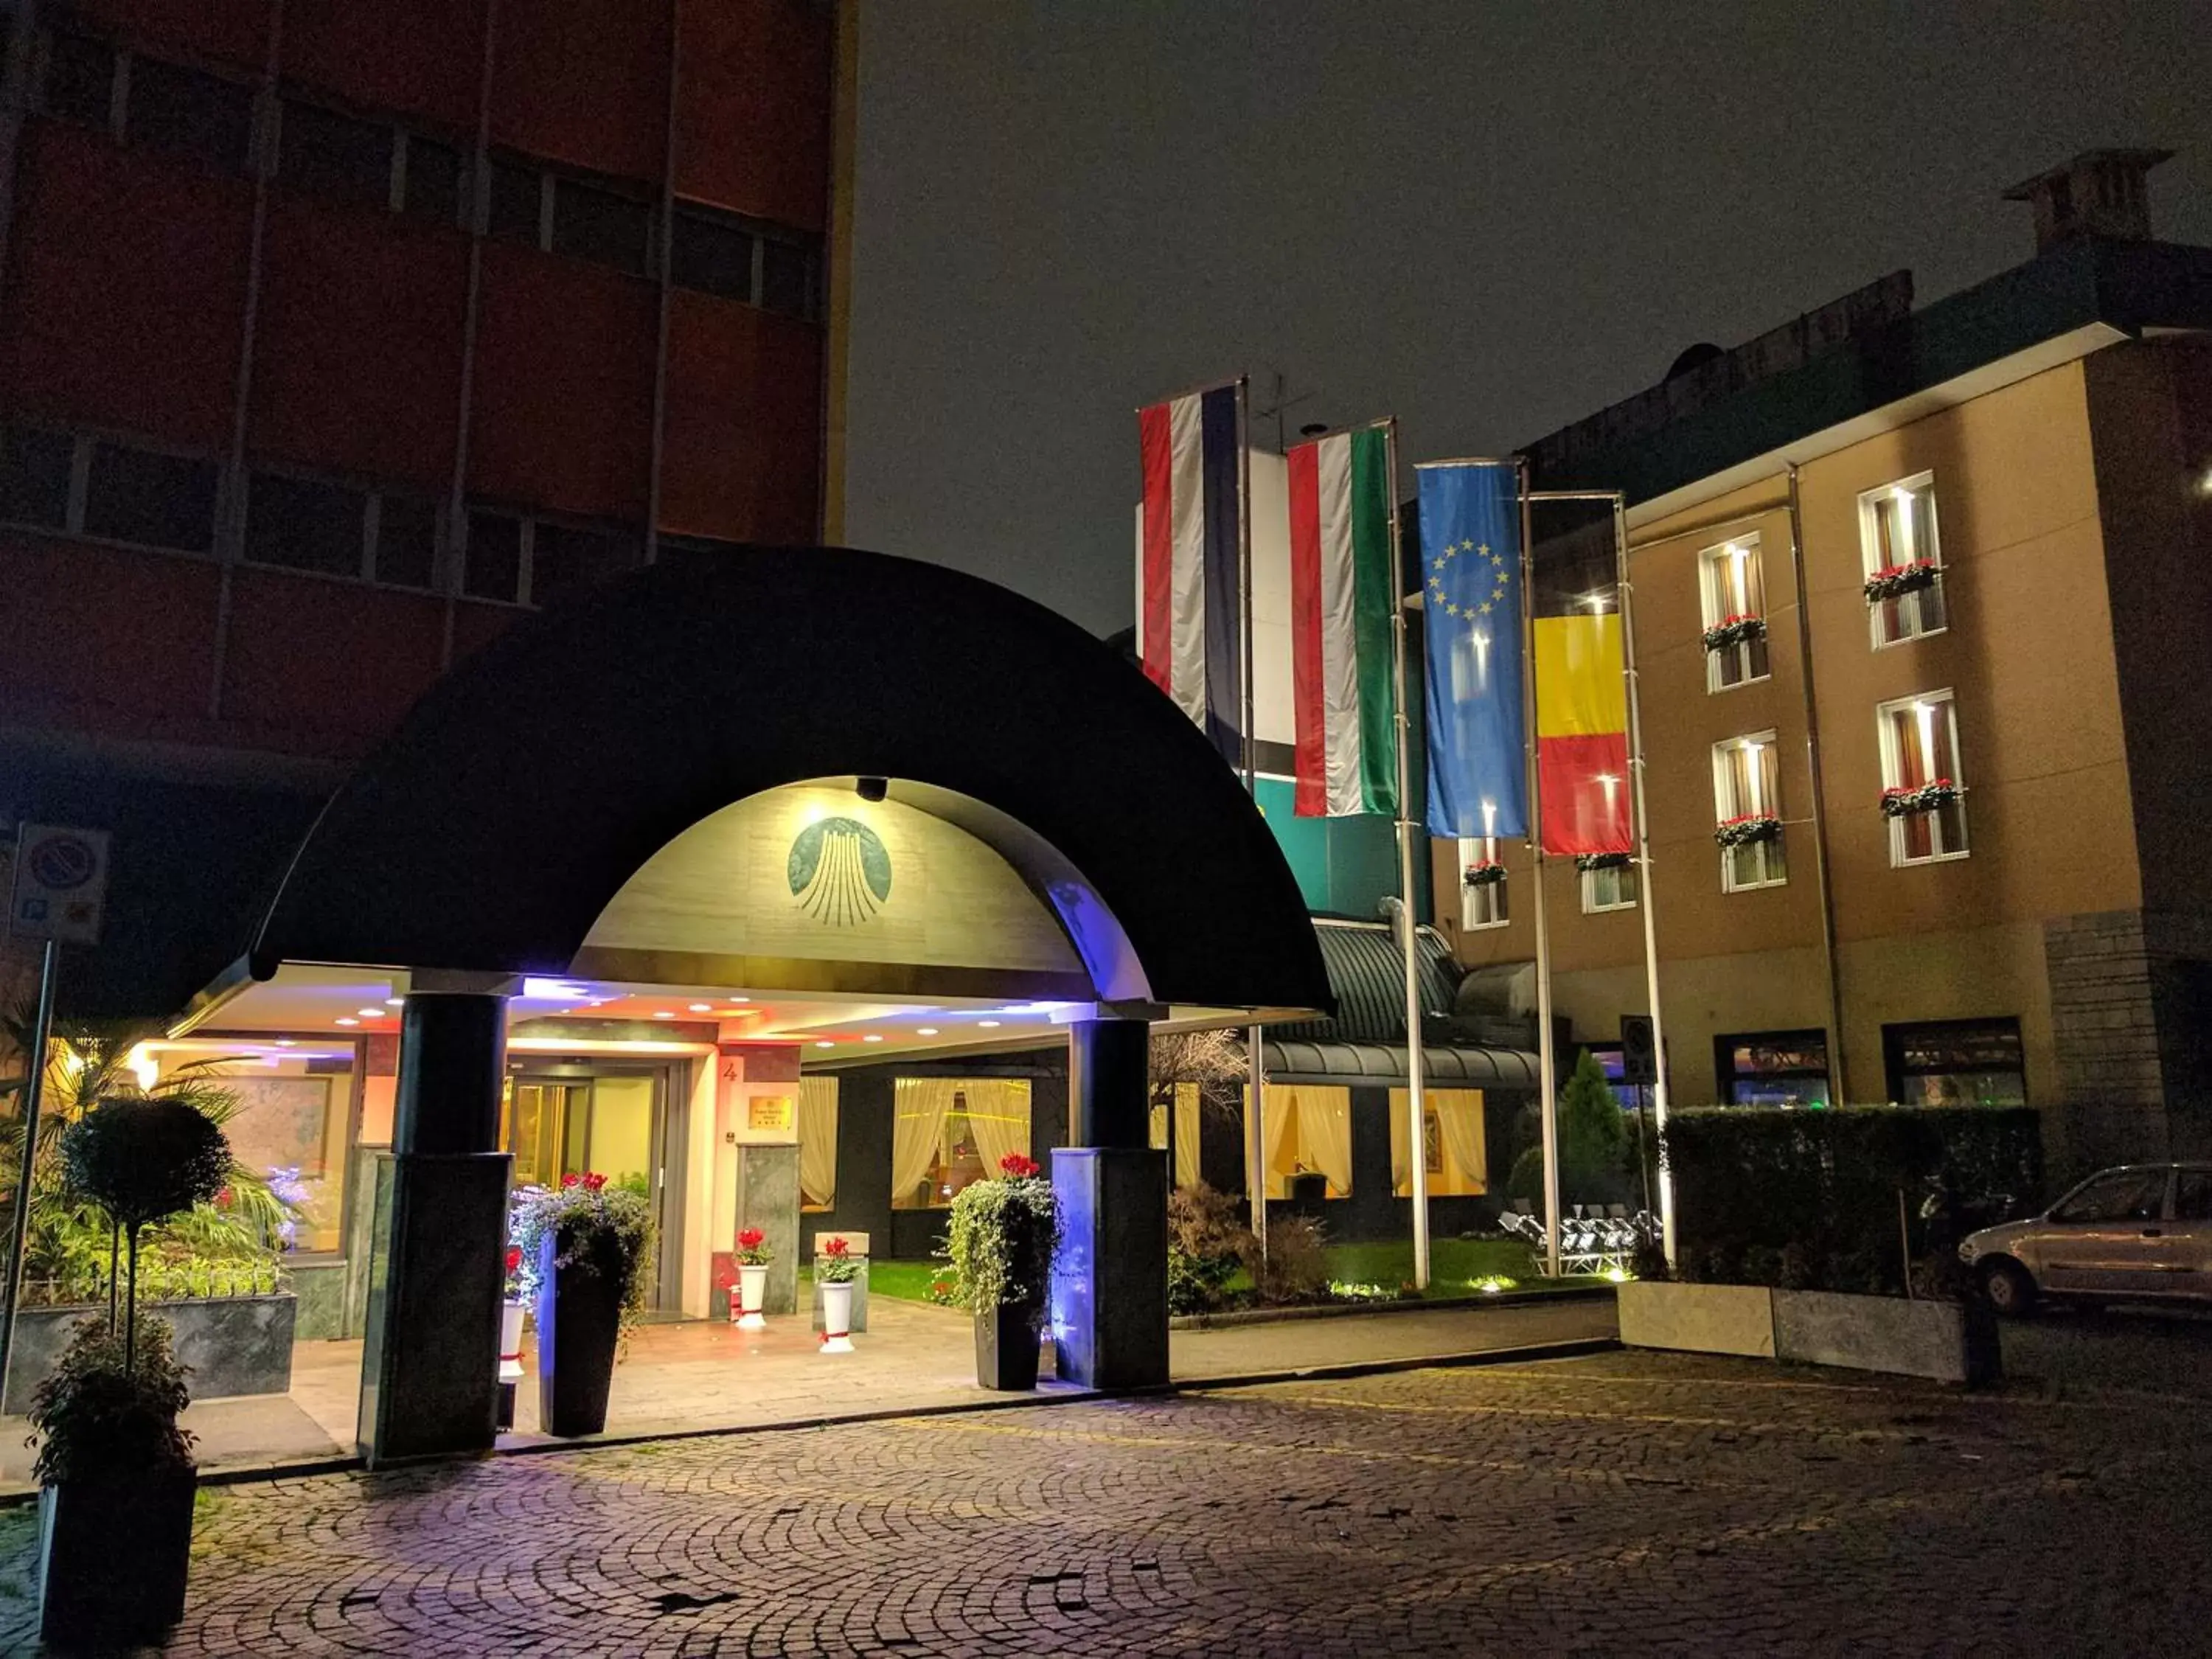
288 1042
987 1025
741 998
348 1019
371 1014
703 1007
393 1002
825 1043
663 1013
732 1013
925 1030
872 1038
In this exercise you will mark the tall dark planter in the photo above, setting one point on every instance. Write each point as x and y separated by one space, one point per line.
1007 1346
578 1326
113 1555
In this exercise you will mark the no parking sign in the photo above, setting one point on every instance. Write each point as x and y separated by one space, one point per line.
61 883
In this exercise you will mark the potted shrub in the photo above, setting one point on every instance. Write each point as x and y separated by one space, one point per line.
584 1248
1003 1234
753 1257
115 1469
835 1270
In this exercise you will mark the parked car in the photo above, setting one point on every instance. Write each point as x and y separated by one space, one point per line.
2141 1231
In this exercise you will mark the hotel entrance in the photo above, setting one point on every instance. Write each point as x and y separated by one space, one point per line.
627 1123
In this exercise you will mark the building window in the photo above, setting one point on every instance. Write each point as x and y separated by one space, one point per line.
1923 787
817 1144
1898 540
1482 884
514 207
1305 1135
786 278
947 1133
333 155
1735 595
186 111
403 540
144 496
1747 811
35 470
1957 1062
334 530
609 229
521 560
1773 1068
429 179
712 254
1453 1150
1608 886
1182 1124
290 1125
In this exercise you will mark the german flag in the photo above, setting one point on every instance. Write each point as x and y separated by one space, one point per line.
1582 707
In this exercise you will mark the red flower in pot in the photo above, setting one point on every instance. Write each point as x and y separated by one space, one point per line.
1016 1167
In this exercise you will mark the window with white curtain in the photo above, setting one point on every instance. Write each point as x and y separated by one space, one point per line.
817 1144
1305 1131
1748 804
1452 1145
1733 591
1482 895
1924 789
949 1131
1897 536
1179 1124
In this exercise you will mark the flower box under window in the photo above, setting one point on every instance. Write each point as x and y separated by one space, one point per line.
1896 581
1735 631
1586 862
1484 875
1748 830
1930 796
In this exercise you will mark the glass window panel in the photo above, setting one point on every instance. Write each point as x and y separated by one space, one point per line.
434 181
514 209
1613 888
289 1127
621 1133
34 476
567 561
787 282
335 156
492 566
1899 528
80 84
305 526
591 223
406 541
160 500
711 255
1733 584
2192 1195
2118 1195
950 1133
187 113
1454 1152
1483 905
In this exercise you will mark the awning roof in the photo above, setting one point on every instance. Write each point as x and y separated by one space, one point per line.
1374 1066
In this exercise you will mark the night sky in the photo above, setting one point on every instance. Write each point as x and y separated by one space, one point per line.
1489 219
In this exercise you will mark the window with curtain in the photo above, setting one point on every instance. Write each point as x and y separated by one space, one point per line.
1898 540
1306 1130
1452 1144
1747 807
949 1131
1923 787
817 1144
1734 603
1482 884
1183 1123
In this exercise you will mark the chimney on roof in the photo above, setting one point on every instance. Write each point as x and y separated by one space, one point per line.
2100 193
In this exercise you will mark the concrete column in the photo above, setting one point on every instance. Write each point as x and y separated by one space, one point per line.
429 1364
1109 1288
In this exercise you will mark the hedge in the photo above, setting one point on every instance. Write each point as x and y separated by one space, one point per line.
1809 1198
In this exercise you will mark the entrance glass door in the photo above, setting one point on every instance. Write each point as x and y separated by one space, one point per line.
573 1121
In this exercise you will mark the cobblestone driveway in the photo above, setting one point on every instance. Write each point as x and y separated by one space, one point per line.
1621 1504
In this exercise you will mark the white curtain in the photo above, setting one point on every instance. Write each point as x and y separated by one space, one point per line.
1188 1103
1459 1116
1325 1134
1401 1166
998 1117
817 1141
920 1106
1279 1123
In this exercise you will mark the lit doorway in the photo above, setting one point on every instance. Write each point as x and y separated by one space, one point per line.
626 1123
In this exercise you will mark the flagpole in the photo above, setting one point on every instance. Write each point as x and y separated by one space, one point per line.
1416 1108
1547 1063
1255 1174
1644 864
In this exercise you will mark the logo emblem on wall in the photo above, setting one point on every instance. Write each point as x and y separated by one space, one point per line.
839 872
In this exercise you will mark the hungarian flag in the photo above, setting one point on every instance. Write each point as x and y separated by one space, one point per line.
1343 676
1190 630
1582 699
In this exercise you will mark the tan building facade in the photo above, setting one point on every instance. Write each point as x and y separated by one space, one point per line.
2044 931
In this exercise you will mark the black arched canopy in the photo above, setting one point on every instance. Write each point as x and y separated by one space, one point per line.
519 794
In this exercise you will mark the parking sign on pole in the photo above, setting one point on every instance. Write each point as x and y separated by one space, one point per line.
61 884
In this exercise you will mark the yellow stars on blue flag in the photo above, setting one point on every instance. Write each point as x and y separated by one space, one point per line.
1498 573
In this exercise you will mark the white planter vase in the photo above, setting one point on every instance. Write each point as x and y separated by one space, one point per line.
752 1296
837 1319
510 1341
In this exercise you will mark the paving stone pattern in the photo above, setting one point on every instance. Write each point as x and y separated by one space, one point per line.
1620 1504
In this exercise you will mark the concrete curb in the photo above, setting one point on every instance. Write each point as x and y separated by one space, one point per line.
1568 1348
1241 1317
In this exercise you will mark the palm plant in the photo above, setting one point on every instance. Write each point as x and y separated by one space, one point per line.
72 1243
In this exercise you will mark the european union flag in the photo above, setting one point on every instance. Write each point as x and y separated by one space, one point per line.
1472 627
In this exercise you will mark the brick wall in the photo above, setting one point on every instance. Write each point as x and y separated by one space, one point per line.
2130 995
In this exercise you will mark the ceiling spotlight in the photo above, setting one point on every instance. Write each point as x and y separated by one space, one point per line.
348 1019
288 1042
703 1007
872 1038
394 1002
371 1014
925 1030
741 998
988 1024
662 1014
825 1043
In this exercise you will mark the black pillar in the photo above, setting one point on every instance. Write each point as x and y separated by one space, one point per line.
1109 1292
429 1370
1109 1083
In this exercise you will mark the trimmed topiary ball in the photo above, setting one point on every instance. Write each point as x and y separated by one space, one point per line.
142 1160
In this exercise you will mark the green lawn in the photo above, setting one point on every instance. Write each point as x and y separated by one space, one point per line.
1457 1267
